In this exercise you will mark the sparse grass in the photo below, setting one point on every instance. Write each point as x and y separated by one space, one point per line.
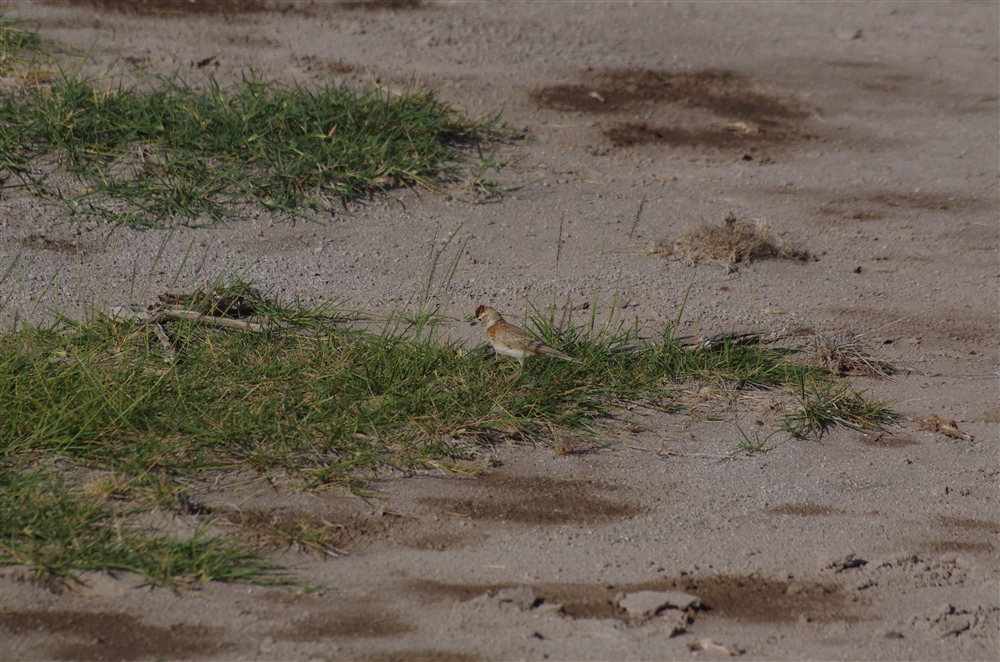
311 399
160 150
22 56
821 404
848 355
57 531
734 242
750 446
275 529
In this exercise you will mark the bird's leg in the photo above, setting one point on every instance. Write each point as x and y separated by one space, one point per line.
520 369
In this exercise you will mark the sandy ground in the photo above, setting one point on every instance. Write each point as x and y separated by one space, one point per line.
866 133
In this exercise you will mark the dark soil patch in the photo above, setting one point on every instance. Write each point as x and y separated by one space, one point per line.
888 200
725 596
967 535
969 524
878 205
112 636
236 7
750 599
183 7
723 93
347 621
755 118
383 4
409 654
759 600
960 547
803 510
716 137
532 500
41 242
438 541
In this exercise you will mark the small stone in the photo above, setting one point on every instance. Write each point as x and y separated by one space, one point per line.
794 588
548 608
645 604
905 558
935 614
847 34
951 627
522 596
841 563
963 562
712 647
669 624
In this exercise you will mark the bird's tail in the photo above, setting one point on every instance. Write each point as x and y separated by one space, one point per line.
545 350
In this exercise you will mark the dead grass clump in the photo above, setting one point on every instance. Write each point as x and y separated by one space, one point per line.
847 354
181 7
217 300
736 242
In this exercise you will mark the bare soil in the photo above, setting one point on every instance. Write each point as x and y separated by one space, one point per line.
867 134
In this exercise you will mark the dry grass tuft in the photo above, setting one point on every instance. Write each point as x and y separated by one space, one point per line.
848 354
736 242
216 300
564 447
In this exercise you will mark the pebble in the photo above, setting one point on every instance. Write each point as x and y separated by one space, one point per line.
522 596
548 608
645 604
841 563
935 614
952 626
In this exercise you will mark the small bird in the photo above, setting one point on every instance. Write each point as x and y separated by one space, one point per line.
511 341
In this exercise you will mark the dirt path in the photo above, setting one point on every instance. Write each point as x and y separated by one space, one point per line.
865 133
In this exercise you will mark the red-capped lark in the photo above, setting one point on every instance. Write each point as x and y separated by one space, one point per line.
511 341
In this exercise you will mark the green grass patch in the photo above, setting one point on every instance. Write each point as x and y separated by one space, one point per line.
158 401
160 150
57 530
822 404
184 153
21 51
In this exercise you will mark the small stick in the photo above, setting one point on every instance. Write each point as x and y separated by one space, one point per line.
217 321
